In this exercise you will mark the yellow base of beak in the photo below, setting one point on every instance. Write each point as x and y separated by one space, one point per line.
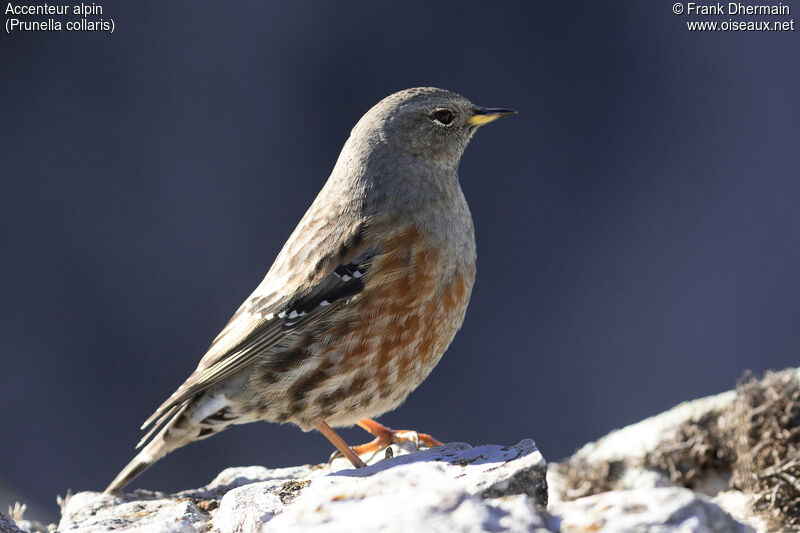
485 116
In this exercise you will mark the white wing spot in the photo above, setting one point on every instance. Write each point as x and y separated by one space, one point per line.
356 274
346 278
323 303
209 407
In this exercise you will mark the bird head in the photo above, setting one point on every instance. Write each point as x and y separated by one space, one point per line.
431 123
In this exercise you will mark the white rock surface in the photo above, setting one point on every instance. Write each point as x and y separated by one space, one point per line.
450 488
655 510
738 505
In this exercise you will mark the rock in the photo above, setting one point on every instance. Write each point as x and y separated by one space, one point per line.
413 498
739 506
455 486
726 463
648 509
641 438
737 451
7 525
140 510
33 526
16 521
618 461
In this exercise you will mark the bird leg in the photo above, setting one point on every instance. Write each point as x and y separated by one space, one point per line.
340 444
385 437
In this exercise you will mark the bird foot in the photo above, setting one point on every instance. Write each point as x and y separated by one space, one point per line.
385 437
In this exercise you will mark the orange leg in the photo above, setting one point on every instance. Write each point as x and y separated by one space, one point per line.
386 436
340 444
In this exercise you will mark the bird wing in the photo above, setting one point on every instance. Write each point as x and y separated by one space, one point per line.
264 319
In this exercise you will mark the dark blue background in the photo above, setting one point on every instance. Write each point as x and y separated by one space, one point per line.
637 222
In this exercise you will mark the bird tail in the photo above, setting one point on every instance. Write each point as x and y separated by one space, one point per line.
176 433
195 419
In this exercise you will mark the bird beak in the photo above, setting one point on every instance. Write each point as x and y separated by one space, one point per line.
485 115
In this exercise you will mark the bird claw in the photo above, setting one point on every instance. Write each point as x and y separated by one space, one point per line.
410 435
335 455
388 454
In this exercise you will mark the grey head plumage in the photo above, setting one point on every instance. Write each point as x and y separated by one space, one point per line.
426 122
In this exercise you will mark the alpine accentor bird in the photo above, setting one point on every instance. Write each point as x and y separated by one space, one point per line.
361 302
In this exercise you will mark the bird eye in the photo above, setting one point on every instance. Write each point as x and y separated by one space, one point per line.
443 116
